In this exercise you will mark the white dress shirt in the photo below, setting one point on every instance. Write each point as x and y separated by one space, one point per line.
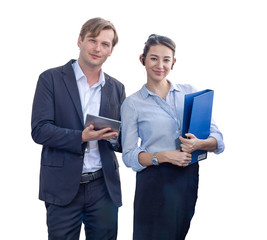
90 101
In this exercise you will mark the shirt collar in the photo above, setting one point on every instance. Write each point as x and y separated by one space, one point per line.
175 87
80 75
145 92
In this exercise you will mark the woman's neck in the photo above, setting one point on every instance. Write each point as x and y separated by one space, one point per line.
160 88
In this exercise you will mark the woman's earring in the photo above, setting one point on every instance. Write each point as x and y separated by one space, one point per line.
143 61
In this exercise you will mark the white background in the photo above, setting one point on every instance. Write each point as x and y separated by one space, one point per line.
221 45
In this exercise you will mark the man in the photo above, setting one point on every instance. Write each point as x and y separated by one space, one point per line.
79 177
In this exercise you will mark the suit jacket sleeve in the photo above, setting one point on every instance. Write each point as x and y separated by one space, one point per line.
45 129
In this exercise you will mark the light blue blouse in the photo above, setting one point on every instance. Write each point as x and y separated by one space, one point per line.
157 123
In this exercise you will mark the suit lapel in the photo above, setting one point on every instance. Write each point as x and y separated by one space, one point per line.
71 84
105 97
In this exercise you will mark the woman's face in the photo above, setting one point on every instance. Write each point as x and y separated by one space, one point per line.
158 62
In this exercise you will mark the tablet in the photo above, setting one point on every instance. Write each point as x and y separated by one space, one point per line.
100 122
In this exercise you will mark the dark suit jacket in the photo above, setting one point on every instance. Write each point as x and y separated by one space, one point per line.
57 124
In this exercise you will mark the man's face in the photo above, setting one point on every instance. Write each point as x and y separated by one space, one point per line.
95 50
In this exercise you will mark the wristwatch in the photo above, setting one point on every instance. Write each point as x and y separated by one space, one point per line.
155 160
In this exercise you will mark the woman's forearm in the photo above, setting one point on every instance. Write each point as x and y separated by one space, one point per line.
174 157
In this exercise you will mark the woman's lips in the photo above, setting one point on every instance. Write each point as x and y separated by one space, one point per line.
158 72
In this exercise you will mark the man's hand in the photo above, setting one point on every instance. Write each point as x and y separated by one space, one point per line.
189 144
90 134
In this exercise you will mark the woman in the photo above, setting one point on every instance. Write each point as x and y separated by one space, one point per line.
166 185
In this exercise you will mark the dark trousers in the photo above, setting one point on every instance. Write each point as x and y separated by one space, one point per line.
93 207
165 201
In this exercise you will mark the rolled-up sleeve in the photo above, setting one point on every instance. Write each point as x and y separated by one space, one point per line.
130 136
215 133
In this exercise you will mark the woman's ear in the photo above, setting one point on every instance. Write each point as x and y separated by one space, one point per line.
142 59
174 61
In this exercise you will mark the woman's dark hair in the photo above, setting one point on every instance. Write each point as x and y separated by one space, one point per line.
155 39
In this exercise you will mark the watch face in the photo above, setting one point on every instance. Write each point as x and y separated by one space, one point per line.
155 162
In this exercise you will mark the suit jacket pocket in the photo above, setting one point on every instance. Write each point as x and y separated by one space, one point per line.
52 157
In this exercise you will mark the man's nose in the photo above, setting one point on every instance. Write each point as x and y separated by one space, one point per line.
97 47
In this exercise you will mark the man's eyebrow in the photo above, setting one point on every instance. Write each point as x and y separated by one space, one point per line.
107 42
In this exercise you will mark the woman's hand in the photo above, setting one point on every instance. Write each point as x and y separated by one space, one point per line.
175 157
189 144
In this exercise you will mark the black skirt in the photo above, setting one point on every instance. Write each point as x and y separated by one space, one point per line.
165 199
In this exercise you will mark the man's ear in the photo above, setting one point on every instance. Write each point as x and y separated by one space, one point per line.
79 41
111 51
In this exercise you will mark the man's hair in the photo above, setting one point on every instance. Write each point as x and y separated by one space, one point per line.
95 25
